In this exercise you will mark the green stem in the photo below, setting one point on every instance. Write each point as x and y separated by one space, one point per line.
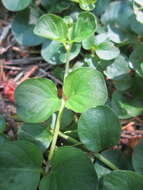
59 117
97 155
56 130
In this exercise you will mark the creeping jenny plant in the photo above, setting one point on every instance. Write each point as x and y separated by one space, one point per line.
48 155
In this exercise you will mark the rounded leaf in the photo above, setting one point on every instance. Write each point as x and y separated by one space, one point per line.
71 170
119 180
137 157
16 5
84 88
136 58
52 27
99 128
54 52
83 27
20 166
36 100
36 134
22 29
126 106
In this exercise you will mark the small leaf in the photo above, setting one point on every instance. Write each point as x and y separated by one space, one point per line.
16 5
107 51
119 180
52 27
71 170
83 27
118 69
126 106
136 58
36 134
20 166
84 88
99 128
137 158
36 100
2 124
54 52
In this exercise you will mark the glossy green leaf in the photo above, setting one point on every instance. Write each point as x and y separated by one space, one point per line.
137 158
36 134
118 13
71 170
20 166
126 106
136 26
84 88
99 128
22 29
118 69
83 27
52 27
119 180
54 52
107 51
136 58
2 124
16 5
36 100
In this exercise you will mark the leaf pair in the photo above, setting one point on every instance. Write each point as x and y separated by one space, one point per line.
36 99
101 46
55 28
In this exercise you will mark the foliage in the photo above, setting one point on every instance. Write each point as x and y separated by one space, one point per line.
100 45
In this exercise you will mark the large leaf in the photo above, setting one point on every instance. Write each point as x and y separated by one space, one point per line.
36 99
54 52
137 157
36 134
72 170
84 88
22 29
20 166
119 180
52 27
16 5
83 27
99 128
136 59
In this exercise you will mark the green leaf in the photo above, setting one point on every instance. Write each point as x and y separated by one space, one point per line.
16 5
125 106
83 27
99 128
71 170
84 88
36 100
2 124
54 52
22 29
36 134
52 27
107 51
118 13
119 180
20 166
137 158
136 59
118 69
